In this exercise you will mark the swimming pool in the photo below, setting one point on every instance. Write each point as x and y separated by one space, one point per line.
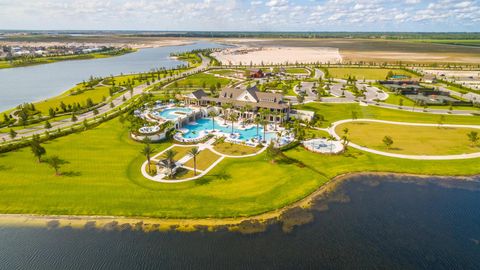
399 77
195 130
323 146
172 113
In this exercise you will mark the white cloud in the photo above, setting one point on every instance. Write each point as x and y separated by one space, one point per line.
304 15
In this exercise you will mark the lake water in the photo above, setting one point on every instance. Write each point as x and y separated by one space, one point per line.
371 223
34 83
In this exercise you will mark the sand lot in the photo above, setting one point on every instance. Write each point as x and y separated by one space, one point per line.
374 50
278 55
454 73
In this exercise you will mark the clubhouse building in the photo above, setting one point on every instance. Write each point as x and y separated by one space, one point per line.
248 102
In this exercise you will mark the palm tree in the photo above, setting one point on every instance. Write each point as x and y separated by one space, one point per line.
194 153
168 161
388 141
330 139
257 122
37 150
226 110
264 123
242 114
248 107
55 162
212 115
233 117
473 137
275 115
147 151
282 116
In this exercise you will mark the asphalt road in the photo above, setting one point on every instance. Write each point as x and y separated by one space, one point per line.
103 109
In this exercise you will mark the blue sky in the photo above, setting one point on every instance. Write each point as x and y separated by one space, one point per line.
243 15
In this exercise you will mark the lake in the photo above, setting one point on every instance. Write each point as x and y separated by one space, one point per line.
369 222
34 83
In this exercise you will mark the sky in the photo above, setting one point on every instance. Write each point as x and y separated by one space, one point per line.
243 15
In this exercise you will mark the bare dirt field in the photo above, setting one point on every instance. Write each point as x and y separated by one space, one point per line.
377 50
278 55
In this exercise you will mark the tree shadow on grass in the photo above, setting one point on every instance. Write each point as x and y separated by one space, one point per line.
71 174
222 175
354 155
4 168
286 160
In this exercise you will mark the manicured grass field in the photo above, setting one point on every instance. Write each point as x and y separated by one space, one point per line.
233 149
411 140
96 94
204 160
313 133
296 71
395 100
365 73
103 177
225 72
198 81
180 152
335 112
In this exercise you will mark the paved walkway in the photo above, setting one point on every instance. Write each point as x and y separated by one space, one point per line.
332 132
201 146
101 110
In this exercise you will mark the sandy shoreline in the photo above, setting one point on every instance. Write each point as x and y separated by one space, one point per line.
251 224
135 44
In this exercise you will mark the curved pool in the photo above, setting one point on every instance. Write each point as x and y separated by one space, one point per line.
323 146
204 124
173 113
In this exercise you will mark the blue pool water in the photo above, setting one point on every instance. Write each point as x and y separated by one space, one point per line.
206 124
173 113
399 77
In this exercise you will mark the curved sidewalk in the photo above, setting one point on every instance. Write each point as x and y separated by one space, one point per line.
332 132
160 178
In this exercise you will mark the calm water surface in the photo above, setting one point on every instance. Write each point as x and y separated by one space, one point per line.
34 83
370 224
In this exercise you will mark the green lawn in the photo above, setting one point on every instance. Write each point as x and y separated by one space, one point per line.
199 81
395 100
193 59
335 112
96 94
204 160
296 70
225 72
180 151
103 176
233 149
313 133
365 73
410 140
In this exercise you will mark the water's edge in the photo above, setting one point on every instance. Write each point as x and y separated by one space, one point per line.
290 215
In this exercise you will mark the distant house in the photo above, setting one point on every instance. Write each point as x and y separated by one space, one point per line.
256 73
429 78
